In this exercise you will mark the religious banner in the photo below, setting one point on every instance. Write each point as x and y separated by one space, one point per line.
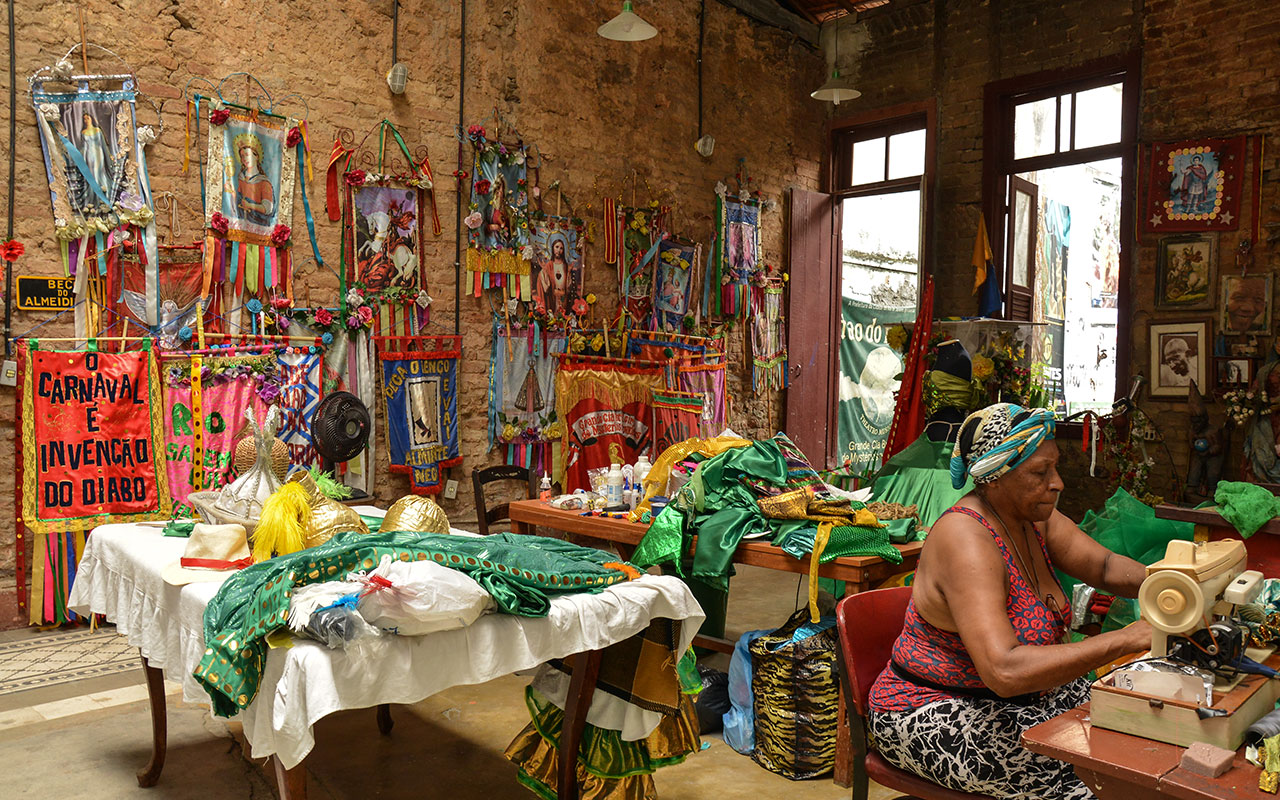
301 374
385 221
869 370
707 381
606 407
204 403
249 197
674 350
643 229
1195 186
522 396
178 278
674 283
676 416
736 259
420 395
498 220
557 267
91 433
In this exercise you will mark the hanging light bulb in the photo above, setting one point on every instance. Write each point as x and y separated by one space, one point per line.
627 27
836 88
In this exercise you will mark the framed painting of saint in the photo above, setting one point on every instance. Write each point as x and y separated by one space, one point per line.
1195 186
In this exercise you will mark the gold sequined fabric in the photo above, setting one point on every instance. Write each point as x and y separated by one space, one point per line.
328 516
416 513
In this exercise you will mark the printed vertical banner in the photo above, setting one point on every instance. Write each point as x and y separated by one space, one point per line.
91 432
300 377
707 381
420 393
869 378
676 416
607 409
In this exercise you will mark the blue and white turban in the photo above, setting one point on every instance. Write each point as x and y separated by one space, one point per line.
996 439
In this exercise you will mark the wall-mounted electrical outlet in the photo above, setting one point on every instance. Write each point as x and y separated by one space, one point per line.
450 489
9 374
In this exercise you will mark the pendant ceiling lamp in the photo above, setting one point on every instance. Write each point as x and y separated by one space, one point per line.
627 27
836 88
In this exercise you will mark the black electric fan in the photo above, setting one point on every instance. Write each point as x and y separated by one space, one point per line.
340 430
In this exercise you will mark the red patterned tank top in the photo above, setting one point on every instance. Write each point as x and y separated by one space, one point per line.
940 657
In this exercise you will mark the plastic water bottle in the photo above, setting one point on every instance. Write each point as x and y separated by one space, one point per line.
544 490
613 485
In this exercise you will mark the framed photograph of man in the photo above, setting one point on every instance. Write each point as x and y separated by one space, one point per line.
1234 372
1246 304
1185 270
1179 352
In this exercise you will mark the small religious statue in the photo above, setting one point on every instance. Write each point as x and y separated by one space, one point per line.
1209 445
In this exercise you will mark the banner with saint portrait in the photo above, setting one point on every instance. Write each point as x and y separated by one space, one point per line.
249 198
498 220
737 256
673 283
1195 186
385 225
557 265
420 397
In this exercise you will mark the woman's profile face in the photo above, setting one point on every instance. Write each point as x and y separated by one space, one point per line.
88 121
1245 303
1034 485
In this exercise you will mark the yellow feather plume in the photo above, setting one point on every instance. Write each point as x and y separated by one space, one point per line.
283 523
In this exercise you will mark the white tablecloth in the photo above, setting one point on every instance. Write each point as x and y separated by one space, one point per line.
119 577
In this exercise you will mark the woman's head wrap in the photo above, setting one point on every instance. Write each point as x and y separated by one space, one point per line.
996 439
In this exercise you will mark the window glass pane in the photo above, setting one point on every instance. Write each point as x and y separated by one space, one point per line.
906 154
1064 124
1033 128
868 161
1098 115
1021 244
881 241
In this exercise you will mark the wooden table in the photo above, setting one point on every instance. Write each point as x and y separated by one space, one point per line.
860 573
1117 765
1263 546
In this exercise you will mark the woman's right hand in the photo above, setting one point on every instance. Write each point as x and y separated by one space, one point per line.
1137 636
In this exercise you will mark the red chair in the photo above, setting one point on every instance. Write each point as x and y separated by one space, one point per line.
869 624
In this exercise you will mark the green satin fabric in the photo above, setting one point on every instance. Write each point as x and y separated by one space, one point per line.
920 475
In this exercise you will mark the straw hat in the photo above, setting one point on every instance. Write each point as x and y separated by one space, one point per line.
213 552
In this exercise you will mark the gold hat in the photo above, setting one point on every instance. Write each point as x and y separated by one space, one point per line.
415 513
328 516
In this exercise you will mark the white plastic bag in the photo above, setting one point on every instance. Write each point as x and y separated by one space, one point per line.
416 597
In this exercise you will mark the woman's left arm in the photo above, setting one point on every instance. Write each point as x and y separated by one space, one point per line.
1078 555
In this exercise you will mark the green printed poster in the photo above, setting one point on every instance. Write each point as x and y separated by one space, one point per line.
869 370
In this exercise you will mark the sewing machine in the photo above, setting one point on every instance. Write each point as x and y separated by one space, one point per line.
1189 597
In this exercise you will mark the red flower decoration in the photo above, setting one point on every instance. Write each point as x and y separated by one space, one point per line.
365 313
293 137
355 177
281 302
475 132
219 223
580 307
12 250
483 186
324 316
280 235
219 116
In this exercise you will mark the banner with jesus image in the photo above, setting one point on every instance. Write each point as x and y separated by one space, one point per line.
92 439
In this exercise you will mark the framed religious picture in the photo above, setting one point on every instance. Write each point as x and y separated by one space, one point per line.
1246 304
1185 268
1194 186
1179 355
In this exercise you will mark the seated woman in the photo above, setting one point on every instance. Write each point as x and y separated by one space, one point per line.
982 657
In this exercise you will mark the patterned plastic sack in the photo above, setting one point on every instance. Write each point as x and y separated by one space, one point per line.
796 690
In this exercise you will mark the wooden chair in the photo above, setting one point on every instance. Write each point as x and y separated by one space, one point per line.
486 516
869 624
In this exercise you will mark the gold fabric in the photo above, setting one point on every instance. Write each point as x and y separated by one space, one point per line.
328 516
416 513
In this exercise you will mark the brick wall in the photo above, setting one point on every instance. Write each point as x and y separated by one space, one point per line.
599 111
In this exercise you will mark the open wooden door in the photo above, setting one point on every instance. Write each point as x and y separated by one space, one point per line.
1020 255
811 324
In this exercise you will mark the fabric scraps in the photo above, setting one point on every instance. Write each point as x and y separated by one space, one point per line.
420 395
91 435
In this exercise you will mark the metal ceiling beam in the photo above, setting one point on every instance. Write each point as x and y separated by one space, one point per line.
770 13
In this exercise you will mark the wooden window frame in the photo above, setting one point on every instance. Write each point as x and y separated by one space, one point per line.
1000 98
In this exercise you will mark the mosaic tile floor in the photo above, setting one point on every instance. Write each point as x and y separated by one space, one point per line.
58 657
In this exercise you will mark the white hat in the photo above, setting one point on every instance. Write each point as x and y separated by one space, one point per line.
213 552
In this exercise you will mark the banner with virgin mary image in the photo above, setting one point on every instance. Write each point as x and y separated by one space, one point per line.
557 266
673 284
97 177
498 219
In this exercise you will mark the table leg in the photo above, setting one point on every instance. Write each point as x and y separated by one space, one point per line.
149 775
582 687
291 783
385 722
842 772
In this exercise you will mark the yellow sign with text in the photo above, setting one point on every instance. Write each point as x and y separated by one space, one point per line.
45 293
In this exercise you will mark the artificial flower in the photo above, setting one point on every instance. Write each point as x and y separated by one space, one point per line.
280 235
513 305
354 298
254 305
373 177
476 133
502 149
365 313
219 116
555 430
12 250
355 177
292 138
185 333
280 302
324 316
591 299
580 307
423 299
219 223
473 220
983 367
519 157
508 432
897 338
327 339
353 321
483 186
269 393
527 252
597 342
